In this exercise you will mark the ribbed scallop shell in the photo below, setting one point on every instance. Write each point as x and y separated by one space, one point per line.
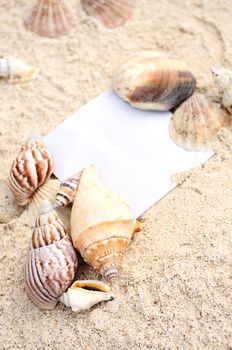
101 224
51 263
67 191
50 18
151 80
196 121
112 13
16 71
32 167
82 295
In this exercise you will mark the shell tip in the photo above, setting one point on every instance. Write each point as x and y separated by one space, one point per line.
45 207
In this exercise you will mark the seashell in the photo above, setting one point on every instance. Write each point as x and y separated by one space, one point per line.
32 167
101 224
223 78
50 18
82 295
112 13
67 191
16 71
151 80
48 191
52 262
196 121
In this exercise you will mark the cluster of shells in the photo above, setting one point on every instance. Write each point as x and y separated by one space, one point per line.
101 229
154 81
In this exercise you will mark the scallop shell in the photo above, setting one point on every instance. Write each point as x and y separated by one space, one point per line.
50 18
67 191
52 262
32 167
48 191
112 13
151 80
16 71
223 79
82 295
101 224
196 121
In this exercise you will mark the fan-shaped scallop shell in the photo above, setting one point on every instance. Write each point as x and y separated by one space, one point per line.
151 80
101 224
51 263
50 18
196 121
82 295
67 191
32 167
16 71
112 13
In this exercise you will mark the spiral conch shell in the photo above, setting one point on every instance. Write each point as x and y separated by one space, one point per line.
52 262
82 295
151 80
50 18
196 121
67 191
32 167
101 224
112 13
223 78
16 71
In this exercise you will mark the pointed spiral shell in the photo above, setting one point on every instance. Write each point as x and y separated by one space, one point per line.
51 263
31 168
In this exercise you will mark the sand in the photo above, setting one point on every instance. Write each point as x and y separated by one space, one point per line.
174 291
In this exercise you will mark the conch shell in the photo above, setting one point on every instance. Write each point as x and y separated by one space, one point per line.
101 224
31 169
223 78
52 262
50 18
82 295
67 191
151 80
196 121
112 13
16 71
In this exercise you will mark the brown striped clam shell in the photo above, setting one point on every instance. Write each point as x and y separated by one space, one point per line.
52 262
50 18
101 225
31 168
151 80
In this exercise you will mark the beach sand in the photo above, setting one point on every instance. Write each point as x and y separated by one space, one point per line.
174 291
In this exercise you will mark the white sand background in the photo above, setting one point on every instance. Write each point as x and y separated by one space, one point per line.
174 291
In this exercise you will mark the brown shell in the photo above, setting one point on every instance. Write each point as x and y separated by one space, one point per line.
151 80
51 263
112 13
196 121
67 191
50 18
31 168
101 224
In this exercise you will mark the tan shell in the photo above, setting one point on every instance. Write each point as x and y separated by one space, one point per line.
16 71
32 167
67 191
51 263
196 121
50 18
82 295
151 80
101 224
112 13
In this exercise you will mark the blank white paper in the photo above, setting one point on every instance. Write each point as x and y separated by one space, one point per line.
130 148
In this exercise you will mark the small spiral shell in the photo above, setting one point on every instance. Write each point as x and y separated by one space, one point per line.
52 262
31 168
67 191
